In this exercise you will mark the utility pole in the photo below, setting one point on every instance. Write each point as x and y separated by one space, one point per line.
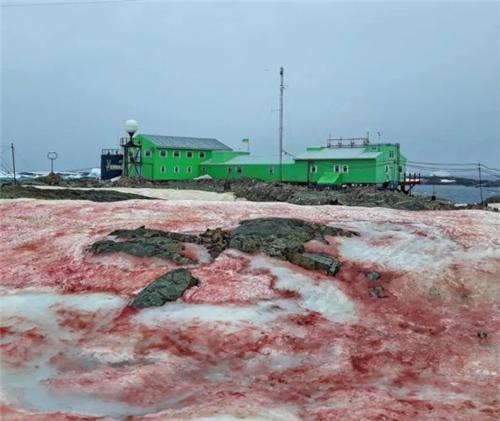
282 89
480 182
398 163
13 162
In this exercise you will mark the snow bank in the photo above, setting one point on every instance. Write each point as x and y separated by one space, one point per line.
159 193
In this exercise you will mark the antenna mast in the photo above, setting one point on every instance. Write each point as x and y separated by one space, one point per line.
282 89
13 162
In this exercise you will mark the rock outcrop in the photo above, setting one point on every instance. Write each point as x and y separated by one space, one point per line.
143 242
168 287
282 238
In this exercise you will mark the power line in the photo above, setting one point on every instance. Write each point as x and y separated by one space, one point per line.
489 168
442 163
65 3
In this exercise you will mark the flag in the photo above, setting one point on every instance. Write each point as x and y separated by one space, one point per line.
245 140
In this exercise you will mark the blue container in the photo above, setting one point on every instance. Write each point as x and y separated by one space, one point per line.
111 163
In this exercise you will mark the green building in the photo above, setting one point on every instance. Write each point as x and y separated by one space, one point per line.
182 158
171 157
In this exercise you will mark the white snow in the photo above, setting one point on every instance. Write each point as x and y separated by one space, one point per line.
323 297
39 306
231 316
159 193
24 386
413 247
95 173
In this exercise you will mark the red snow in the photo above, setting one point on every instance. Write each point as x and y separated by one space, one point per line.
423 342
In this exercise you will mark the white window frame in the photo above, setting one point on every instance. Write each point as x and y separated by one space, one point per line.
229 170
386 169
313 169
391 154
189 154
162 153
345 169
336 168
177 154
148 153
203 154
190 169
177 169
203 170
239 170
163 169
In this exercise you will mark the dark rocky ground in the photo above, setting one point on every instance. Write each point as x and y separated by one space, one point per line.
259 191
9 191
281 238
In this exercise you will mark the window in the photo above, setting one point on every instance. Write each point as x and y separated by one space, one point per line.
336 168
271 170
203 170
147 153
391 154
229 169
314 169
239 170
177 154
162 169
345 168
387 169
189 154
202 155
400 169
163 153
176 169
190 169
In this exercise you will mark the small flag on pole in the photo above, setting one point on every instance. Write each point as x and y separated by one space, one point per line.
246 142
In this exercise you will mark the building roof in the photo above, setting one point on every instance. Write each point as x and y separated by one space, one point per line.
179 142
251 160
337 153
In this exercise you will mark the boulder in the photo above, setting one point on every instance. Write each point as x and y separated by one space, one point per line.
168 287
315 261
372 276
215 240
377 292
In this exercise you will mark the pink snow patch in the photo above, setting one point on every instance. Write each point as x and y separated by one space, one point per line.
258 338
229 280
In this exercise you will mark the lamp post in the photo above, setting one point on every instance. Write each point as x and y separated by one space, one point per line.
131 128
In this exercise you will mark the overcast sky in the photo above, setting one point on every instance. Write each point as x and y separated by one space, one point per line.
425 74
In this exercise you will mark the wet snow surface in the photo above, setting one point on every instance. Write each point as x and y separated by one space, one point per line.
259 338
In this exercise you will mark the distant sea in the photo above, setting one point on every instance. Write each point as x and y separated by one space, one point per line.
457 194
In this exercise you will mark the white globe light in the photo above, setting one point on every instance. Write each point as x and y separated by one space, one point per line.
131 126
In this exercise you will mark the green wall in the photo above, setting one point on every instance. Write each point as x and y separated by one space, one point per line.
186 164
178 164
292 172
